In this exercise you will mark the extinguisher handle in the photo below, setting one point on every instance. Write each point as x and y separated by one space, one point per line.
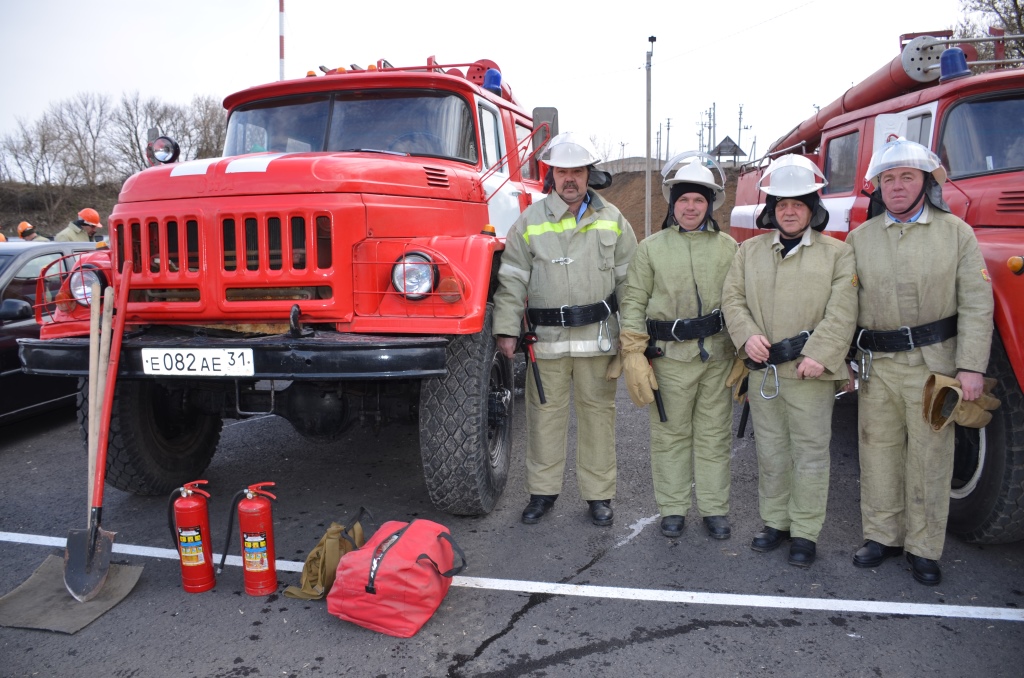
257 488
194 487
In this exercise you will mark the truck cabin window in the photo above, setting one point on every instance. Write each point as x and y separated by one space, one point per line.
407 122
984 136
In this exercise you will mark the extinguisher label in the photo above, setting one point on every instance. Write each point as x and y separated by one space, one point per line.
255 546
190 545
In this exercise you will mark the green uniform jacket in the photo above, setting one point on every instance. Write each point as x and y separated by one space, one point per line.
916 273
554 261
679 274
72 233
814 288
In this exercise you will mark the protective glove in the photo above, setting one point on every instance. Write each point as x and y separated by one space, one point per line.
737 380
944 403
633 342
614 369
640 381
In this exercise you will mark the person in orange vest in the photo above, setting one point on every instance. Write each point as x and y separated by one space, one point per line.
82 229
27 232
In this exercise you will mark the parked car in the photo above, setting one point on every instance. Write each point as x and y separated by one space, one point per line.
22 395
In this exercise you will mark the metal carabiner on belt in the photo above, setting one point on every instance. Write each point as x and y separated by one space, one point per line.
604 338
866 358
775 373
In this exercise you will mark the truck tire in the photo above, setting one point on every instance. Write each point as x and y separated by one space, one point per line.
157 442
466 425
987 494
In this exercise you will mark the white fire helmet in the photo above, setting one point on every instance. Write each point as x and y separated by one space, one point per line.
902 153
694 173
791 176
569 149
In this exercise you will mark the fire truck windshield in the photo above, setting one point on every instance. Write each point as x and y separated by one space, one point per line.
984 136
405 122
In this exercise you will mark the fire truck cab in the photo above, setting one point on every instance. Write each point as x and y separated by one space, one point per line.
975 123
334 267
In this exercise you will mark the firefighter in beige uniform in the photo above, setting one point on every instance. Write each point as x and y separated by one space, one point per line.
567 255
790 300
673 296
925 307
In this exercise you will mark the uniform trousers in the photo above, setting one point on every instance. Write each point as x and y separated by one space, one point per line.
547 426
905 466
694 445
793 432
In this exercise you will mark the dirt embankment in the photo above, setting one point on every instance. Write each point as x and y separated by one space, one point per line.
627 193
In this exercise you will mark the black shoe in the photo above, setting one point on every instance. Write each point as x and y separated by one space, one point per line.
718 527
802 552
538 506
769 539
601 512
926 571
672 526
872 554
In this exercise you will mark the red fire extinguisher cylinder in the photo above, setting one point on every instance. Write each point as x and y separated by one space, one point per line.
256 528
189 520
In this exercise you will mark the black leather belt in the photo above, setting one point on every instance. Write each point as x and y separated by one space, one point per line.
573 316
905 338
781 352
685 329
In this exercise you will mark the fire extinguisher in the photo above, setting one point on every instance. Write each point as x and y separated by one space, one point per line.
255 523
189 520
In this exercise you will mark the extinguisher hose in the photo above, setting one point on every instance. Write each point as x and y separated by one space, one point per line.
170 515
231 523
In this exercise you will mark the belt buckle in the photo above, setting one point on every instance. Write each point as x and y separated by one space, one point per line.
910 336
721 319
561 314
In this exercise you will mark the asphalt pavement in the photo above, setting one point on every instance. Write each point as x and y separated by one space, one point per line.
560 598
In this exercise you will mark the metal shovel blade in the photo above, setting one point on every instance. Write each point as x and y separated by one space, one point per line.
87 559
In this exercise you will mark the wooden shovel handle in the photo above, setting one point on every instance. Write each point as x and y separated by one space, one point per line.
116 335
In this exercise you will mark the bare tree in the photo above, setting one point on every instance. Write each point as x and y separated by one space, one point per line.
34 155
207 121
82 123
980 14
131 122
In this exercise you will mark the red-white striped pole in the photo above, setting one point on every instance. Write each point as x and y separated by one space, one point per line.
281 36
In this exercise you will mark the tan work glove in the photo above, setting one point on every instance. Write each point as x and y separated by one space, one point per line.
633 342
614 369
737 380
944 403
640 381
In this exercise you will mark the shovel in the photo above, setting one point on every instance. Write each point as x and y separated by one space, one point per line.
87 554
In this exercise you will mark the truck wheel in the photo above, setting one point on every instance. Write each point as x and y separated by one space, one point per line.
987 494
466 425
157 441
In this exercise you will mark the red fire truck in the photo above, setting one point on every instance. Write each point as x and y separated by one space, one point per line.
335 266
975 123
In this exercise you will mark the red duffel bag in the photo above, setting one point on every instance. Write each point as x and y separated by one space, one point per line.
395 582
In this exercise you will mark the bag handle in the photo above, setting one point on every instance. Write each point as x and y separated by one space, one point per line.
455 547
351 523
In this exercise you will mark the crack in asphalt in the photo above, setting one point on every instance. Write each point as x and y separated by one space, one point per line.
639 635
454 671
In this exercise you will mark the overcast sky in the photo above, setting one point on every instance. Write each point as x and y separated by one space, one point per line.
778 59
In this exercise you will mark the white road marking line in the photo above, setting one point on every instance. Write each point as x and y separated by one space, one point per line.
619 593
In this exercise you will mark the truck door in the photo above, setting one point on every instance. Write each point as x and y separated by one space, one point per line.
503 196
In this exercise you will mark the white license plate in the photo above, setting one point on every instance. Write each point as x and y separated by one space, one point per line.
198 362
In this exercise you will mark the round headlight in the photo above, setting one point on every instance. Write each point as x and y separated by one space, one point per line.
414 276
80 284
165 150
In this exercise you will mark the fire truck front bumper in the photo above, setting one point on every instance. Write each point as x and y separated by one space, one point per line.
321 356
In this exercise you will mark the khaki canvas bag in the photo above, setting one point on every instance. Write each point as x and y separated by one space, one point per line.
322 562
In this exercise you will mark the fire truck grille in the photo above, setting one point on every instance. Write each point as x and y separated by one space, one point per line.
171 256
1011 201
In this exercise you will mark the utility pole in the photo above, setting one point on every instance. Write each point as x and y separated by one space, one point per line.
668 130
739 135
647 182
280 32
658 137
700 132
